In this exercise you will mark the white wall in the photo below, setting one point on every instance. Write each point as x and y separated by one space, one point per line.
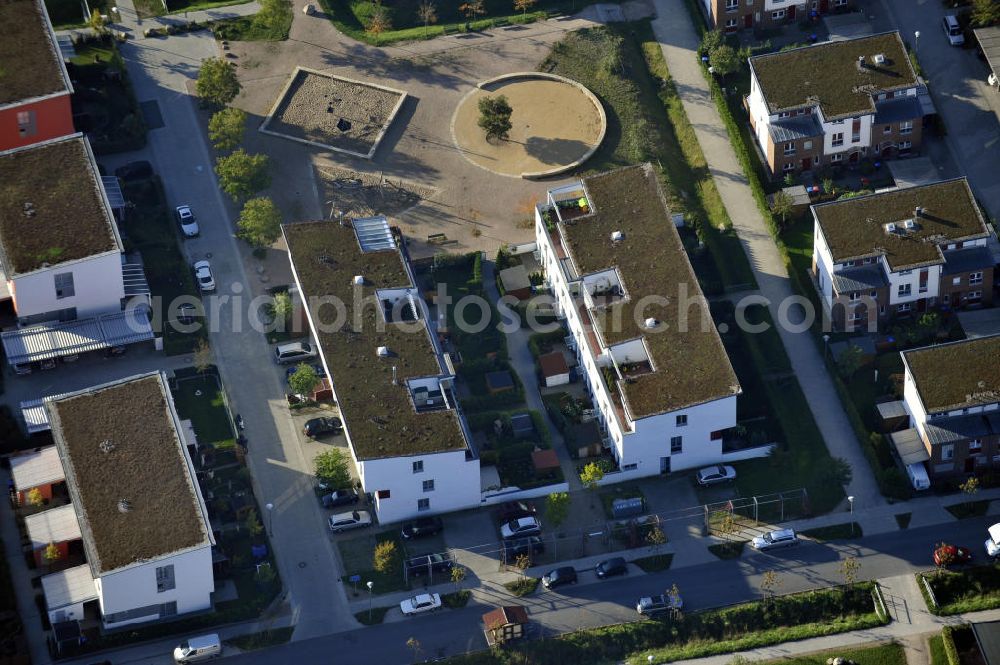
135 587
456 484
97 282
845 127
824 263
759 113
770 5
913 279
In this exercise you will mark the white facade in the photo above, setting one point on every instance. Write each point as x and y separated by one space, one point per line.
672 441
843 130
131 595
443 482
758 112
97 288
824 264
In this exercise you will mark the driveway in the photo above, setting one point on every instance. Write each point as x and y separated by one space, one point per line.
957 81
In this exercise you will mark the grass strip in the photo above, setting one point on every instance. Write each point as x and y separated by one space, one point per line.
971 589
845 531
656 563
373 617
262 640
523 586
729 550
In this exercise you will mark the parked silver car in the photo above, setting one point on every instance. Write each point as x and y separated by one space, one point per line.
773 540
719 473
347 521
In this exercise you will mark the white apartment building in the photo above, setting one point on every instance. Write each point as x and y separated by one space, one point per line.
61 260
901 253
394 387
137 504
653 363
835 103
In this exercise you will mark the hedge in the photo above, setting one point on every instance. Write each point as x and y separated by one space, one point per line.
948 639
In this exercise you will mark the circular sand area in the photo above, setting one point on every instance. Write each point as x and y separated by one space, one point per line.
557 124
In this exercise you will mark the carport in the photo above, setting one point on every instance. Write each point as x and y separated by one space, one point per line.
913 172
989 44
49 341
909 446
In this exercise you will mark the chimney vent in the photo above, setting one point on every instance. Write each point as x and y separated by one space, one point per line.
617 236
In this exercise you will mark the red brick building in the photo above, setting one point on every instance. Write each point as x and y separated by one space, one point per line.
734 15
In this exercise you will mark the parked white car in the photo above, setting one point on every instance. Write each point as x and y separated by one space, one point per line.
773 540
522 526
719 473
185 217
425 602
993 542
204 277
347 521
953 30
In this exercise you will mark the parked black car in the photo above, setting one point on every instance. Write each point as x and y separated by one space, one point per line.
559 577
512 549
512 510
423 527
611 567
339 498
320 426
419 566
135 171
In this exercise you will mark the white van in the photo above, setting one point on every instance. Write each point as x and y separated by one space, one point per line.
953 30
293 352
197 649
918 476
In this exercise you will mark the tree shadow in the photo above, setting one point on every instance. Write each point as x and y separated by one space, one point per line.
555 151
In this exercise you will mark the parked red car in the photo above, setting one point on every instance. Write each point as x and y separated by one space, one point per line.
951 555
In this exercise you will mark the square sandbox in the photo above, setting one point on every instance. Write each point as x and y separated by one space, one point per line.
333 112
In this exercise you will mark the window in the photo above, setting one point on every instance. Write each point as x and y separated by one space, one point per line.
881 98
955 281
855 296
923 281
905 145
676 444
808 145
731 24
64 285
905 290
789 166
973 295
165 578
418 466
946 299
856 130
838 139
881 309
874 294
887 129
423 504
778 15
717 435
906 127
682 420
26 123
382 494
947 452
838 158
428 485
630 467
857 315
789 148
975 444
784 114
904 308
732 5
975 278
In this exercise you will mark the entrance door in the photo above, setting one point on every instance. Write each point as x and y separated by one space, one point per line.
791 13
855 156
970 464
922 305
664 465
806 163
748 21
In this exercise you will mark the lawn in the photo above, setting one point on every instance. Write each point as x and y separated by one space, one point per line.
255 28
654 564
207 410
261 640
460 276
523 586
149 8
105 107
373 616
846 531
728 550
883 654
938 655
968 509
66 14
178 6
357 556
968 590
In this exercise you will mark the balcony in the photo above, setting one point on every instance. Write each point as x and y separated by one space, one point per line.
633 369
570 201
603 289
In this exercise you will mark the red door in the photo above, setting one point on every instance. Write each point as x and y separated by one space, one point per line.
748 21
806 163
791 13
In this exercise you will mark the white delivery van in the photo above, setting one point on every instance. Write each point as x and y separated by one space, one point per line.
993 542
917 474
198 649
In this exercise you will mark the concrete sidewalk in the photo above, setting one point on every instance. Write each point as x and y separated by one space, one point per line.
130 23
679 42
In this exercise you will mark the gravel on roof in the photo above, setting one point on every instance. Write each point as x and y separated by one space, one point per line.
957 375
26 39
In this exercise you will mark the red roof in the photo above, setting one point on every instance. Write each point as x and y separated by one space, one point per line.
545 459
553 364
505 616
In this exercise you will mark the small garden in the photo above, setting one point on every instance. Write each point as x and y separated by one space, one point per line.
376 558
104 104
271 24
462 275
507 440
883 654
66 14
698 634
958 591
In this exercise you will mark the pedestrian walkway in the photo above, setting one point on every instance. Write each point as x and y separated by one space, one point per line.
679 42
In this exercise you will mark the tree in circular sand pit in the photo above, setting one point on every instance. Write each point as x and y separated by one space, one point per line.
494 117
217 84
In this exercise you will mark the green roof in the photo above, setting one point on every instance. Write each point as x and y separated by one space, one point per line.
857 227
52 207
120 442
379 416
957 375
30 64
690 367
829 74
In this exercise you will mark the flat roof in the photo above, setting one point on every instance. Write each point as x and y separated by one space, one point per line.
67 338
30 59
956 375
39 467
378 414
989 42
909 446
829 74
53 208
856 227
58 525
690 367
128 472
69 587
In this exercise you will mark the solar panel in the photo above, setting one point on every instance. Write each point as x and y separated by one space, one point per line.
374 234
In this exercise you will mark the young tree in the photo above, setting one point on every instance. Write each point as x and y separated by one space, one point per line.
712 40
427 12
523 6
202 357
414 645
331 468
458 574
51 554
781 205
985 13
494 117
303 380
265 574
281 308
591 476
472 10
850 361
260 222
253 524
241 175
828 186
656 538
217 84
769 583
378 21
522 563
849 569
225 129
970 488
556 508
386 556
945 556
724 60
34 497
96 22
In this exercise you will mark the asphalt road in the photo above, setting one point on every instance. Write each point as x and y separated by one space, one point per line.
811 565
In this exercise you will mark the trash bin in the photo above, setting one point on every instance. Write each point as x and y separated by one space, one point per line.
622 508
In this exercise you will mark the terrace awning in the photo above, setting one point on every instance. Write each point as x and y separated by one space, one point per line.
56 340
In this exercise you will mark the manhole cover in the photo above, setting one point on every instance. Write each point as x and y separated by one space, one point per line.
302 564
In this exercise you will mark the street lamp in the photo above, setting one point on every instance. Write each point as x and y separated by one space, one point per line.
370 585
826 346
270 519
850 500
916 41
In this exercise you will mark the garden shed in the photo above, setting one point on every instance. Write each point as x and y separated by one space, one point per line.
522 426
516 282
585 438
499 381
504 624
544 460
555 371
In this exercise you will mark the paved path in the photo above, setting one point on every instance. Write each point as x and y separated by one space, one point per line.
679 42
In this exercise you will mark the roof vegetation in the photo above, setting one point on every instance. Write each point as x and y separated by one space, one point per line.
129 480
379 415
691 365
27 41
857 227
957 375
830 75
51 207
